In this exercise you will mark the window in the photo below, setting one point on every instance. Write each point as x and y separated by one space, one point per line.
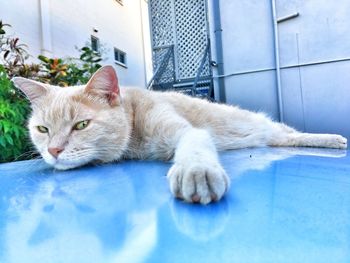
95 44
120 57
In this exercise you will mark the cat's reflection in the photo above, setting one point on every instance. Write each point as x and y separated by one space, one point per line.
94 219
199 222
202 223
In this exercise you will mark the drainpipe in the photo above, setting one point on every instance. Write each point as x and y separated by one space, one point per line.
143 43
45 28
219 49
277 61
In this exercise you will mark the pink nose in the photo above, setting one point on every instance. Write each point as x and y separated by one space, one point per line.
55 151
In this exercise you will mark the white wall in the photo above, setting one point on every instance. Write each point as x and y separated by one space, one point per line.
314 50
72 23
25 24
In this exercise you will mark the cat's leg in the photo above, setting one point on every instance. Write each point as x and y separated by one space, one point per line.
197 175
255 129
286 136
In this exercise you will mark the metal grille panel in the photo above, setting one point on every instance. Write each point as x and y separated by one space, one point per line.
163 35
191 31
182 23
162 13
164 60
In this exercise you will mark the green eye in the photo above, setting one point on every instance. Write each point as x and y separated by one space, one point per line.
81 125
42 129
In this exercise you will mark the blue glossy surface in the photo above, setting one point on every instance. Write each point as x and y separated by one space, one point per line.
284 205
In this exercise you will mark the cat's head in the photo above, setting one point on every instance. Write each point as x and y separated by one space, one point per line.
74 126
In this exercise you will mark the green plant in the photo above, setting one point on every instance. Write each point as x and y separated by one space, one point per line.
90 60
13 56
13 52
14 109
2 34
54 71
71 71
80 70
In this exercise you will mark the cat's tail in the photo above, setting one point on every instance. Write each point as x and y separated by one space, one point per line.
287 136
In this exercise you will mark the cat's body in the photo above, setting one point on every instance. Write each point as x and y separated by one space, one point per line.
141 124
156 116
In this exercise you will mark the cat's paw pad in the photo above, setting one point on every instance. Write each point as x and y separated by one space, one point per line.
198 183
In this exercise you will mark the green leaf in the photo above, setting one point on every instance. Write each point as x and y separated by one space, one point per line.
6 127
83 56
96 60
43 58
2 141
16 131
9 139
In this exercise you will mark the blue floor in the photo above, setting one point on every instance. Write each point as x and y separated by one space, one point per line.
284 205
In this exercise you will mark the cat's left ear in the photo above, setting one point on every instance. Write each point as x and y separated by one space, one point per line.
32 89
104 84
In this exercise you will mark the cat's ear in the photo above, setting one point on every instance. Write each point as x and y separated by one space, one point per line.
32 89
104 84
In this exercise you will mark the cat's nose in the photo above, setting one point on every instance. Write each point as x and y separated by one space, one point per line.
55 151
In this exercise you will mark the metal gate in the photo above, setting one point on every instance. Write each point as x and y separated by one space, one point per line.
181 46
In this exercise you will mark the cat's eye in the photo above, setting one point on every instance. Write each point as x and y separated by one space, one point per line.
42 129
81 125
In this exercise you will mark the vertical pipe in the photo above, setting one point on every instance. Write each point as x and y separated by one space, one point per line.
176 58
277 61
300 82
219 49
45 28
143 43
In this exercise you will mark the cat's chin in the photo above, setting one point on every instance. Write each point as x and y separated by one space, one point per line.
65 165
59 166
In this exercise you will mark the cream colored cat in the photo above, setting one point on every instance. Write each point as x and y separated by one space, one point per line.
73 126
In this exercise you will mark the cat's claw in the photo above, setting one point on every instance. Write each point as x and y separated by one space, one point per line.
198 183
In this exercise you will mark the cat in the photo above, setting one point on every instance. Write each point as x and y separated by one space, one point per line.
99 121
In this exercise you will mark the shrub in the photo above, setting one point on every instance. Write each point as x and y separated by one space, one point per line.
14 108
73 71
14 142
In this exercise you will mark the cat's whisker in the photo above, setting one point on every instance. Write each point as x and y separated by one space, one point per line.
26 155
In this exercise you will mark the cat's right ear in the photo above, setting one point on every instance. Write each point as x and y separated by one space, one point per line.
32 89
104 84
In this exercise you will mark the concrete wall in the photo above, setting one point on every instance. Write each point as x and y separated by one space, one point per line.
316 94
69 24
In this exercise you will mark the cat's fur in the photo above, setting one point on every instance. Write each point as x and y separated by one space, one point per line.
141 124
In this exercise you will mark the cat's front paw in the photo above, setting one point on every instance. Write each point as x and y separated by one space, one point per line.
201 183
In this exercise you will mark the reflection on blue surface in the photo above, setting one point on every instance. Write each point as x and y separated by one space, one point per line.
284 205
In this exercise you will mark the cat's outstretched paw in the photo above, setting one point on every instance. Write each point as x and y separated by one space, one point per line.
341 142
198 183
335 141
